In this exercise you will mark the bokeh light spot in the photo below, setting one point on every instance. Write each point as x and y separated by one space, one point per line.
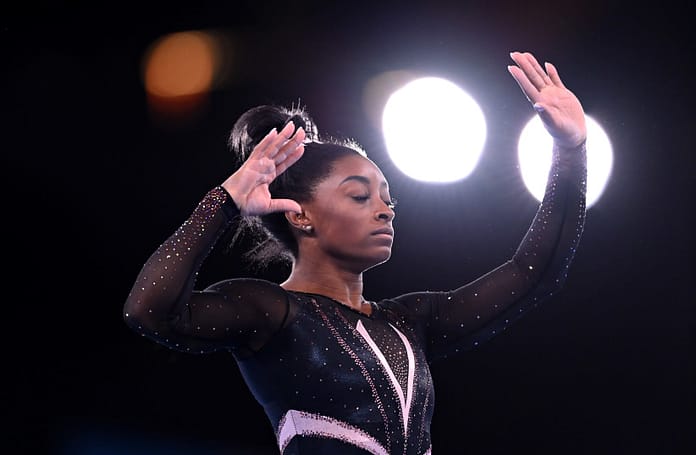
433 130
534 155
180 64
377 91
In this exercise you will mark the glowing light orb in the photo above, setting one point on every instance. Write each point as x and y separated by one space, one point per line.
433 130
534 155
377 90
180 64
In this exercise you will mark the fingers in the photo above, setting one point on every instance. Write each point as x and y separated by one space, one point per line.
290 159
284 205
531 69
553 74
283 136
278 143
525 84
290 147
537 68
263 146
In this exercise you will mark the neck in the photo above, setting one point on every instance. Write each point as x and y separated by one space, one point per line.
327 279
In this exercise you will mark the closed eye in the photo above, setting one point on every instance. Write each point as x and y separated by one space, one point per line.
391 203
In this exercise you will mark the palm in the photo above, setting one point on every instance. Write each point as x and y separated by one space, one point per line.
270 158
259 198
558 108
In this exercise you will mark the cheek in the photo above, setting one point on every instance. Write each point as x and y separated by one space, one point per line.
344 224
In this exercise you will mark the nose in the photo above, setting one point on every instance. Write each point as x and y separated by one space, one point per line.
385 213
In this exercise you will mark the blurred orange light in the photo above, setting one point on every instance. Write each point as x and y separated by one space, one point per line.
180 64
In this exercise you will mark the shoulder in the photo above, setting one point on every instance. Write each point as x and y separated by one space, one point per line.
248 288
413 300
253 299
414 305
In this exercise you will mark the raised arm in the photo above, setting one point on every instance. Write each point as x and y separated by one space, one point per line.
467 316
163 304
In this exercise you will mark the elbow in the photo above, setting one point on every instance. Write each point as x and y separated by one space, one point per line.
131 317
136 315
145 317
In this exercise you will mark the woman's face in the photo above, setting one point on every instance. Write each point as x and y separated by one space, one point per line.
352 213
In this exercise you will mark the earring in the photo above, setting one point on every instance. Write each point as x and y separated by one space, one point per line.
307 228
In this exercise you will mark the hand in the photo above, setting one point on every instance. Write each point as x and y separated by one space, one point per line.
270 158
558 108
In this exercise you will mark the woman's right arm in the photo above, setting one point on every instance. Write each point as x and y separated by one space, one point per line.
163 304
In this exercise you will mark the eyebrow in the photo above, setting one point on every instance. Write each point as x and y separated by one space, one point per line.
360 179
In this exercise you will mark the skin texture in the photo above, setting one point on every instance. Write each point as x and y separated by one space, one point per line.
339 247
351 231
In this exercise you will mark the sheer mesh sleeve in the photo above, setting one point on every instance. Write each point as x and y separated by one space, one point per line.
239 314
472 314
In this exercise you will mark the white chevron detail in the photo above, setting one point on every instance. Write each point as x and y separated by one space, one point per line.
295 423
405 402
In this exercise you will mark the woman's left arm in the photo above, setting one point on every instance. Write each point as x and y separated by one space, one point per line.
467 316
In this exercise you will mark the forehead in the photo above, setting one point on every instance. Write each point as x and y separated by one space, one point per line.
352 166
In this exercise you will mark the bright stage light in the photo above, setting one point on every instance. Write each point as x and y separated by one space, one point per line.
534 155
433 130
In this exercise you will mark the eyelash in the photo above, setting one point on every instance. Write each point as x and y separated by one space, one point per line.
390 203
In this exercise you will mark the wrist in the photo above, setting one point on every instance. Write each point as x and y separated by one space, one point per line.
232 193
570 146
230 206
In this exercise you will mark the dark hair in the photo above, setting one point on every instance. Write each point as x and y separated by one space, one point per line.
271 233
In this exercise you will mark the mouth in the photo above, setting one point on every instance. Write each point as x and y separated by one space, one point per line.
384 231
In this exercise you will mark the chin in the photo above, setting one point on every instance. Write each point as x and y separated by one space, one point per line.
366 260
378 260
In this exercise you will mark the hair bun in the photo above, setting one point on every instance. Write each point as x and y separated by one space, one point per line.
254 124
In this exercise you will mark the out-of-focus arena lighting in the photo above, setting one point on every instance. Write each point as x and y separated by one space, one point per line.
180 64
179 70
379 88
433 130
534 155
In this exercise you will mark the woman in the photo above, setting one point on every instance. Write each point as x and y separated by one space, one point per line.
337 373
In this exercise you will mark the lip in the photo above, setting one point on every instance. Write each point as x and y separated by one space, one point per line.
386 230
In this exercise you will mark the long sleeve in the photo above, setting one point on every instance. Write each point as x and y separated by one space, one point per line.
164 306
464 318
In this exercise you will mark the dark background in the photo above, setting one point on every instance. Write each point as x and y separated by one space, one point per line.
95 181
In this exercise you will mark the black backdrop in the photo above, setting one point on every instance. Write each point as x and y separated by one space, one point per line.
94 182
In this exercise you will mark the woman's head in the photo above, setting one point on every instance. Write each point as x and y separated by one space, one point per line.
350 215
299 182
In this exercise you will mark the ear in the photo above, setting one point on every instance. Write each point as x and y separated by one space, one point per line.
299 221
